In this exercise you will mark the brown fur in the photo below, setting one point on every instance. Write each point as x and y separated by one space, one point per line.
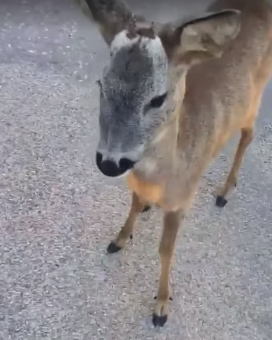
208 117
217 98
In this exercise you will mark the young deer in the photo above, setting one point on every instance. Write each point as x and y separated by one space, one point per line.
171 96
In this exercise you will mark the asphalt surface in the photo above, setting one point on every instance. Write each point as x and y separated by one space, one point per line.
58 213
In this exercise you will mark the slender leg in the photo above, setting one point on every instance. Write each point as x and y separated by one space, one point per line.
127 230
170 229
245 140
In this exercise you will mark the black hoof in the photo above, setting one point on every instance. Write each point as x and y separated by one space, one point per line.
113 248
221 201
159 320
131 236
170 298
146 208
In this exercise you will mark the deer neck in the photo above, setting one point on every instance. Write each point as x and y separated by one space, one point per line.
156 170
159 159
152 174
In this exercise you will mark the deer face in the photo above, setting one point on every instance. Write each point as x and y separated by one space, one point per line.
136 93
133 101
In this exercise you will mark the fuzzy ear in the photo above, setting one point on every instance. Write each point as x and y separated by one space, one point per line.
202 38
112 17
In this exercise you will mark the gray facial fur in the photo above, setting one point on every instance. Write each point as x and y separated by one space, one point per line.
136 73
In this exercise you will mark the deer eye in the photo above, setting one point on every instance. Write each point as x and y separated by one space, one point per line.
157 102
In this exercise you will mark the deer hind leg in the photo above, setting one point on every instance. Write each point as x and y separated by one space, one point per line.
170 229
126 232
231 182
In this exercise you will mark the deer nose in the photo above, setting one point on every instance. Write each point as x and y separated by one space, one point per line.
111 168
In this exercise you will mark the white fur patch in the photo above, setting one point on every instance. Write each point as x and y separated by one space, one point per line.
150 165
153 46
121 40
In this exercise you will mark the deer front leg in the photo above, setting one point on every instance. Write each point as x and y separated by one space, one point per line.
171 224
126 231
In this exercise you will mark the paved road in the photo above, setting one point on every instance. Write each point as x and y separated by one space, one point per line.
58 213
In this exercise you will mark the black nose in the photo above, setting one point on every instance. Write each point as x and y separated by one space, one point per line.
112 169
126 164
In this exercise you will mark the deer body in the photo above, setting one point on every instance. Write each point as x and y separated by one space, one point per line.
170 98
222 96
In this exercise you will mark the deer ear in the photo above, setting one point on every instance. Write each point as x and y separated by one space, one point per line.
202 38
111 16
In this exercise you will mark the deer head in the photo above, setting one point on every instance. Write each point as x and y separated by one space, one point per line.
136 88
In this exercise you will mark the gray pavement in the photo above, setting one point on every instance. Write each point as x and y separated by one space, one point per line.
58 213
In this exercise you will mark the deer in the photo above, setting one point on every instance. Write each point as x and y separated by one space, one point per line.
170 97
